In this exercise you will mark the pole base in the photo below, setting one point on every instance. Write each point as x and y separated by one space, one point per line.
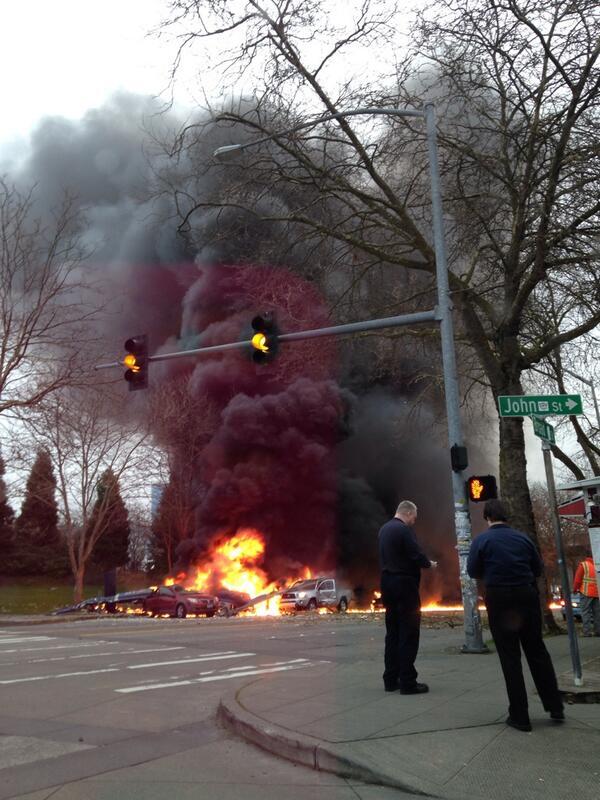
577 681
475 649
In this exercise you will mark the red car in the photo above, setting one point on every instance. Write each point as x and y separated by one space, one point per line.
179 602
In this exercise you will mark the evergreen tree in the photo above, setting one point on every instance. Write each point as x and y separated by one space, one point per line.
39 549
109 524
172 524
7 521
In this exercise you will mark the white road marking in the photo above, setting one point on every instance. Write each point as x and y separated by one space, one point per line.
279 663
207 657
209 678
90 655
113 668
57 647
239 668
60 675
21 639
155 649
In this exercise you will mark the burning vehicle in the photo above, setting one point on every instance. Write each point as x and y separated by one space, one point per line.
230 601
179 602
232 571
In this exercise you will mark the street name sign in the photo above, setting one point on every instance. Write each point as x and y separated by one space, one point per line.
543 430
528 405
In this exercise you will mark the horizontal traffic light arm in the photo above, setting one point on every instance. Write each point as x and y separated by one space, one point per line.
336 330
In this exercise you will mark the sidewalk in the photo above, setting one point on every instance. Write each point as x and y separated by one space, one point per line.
450 743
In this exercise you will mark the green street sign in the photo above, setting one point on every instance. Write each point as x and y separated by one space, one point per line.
543 430
528 405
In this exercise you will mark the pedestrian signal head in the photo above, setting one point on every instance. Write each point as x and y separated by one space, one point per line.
265 339
136 361
481 488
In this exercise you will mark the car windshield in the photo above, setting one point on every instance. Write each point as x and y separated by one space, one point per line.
304 585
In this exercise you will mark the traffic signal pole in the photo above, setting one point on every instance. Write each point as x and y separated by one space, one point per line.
335 330
462 519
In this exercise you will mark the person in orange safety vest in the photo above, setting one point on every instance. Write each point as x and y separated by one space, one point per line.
586 583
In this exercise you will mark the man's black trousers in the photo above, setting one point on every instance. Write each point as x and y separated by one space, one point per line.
515 619
400 596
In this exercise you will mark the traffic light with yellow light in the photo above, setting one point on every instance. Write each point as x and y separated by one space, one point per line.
136 362
481 488
265 339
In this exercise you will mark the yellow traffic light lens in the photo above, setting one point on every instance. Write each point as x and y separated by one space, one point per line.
130 360
259 342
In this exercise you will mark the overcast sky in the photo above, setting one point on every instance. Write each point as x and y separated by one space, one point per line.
66 56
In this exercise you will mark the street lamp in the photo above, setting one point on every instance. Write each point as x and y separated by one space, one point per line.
462 522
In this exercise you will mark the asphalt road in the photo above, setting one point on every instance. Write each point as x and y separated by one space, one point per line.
88 703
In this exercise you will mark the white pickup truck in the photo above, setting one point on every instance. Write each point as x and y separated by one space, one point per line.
314 593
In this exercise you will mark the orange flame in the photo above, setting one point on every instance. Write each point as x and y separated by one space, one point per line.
433 606
235 564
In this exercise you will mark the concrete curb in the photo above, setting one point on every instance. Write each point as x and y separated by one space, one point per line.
580 694
590 691
311 752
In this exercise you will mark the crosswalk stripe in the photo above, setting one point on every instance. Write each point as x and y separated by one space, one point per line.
21 639
90 655
209 678
60 675
208 657
56 647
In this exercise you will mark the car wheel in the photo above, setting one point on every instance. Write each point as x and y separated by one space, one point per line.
312 604
343 605
180 611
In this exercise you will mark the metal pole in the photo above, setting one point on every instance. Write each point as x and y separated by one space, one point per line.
595 405
417 318
462 520
591 385
564 576
228 149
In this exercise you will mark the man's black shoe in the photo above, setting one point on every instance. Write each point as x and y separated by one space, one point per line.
391 687
520 726
418 688
558 715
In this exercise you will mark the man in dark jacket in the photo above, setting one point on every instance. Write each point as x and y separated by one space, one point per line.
508 563
401 561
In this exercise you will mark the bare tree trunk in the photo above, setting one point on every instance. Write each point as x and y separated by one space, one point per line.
78 588
513 474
